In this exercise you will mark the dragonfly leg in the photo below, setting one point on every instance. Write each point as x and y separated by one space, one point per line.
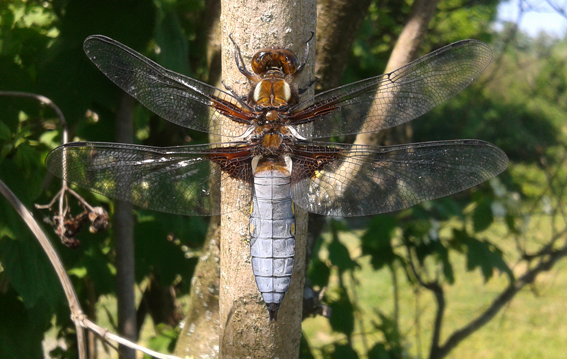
305 56
311 83
233 93
240 62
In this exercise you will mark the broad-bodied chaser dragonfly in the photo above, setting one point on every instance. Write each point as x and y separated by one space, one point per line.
272 157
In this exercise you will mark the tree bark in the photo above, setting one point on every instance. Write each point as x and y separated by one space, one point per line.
246 330
338 24
124 239
200 334
405 50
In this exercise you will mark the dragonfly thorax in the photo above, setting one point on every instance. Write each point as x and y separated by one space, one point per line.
271 144
272 92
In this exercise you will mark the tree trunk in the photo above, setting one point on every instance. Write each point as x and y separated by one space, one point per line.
338 24
124 239
406 50
200 334
246 330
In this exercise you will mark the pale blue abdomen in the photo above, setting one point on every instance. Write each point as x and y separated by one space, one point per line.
272 230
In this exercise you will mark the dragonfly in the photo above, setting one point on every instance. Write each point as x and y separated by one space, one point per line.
272 159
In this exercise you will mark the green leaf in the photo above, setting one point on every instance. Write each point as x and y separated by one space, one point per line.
25 183
340 256
423 250
174 54
339 226
511 224
79 272
342 319
318 272
441 254
19 336
344 351
98 270
393 345
5 133
31 274
26 157
418 228
486 256
443 257
26 265
389 327
164 341
376 241
48 138
482 216
379 351
154 253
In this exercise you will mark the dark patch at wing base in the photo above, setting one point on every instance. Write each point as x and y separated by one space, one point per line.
369 180
180 180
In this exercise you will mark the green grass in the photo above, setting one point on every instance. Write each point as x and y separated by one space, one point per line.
533 325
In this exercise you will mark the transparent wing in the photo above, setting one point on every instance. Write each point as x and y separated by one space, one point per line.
391 99
177 98
351 180
182 180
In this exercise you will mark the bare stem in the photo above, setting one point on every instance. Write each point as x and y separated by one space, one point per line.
46 101
74 305
77 315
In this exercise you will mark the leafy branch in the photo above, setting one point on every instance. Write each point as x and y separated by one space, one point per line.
66 229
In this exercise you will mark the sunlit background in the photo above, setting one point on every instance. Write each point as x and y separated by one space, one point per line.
472 247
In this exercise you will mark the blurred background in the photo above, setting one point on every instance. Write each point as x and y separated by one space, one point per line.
478 274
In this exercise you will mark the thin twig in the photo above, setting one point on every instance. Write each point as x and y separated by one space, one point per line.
46 101
439 295
86 323
77 315
506 42
502 300
561 11
55 261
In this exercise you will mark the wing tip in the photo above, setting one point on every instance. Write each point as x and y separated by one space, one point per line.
94 38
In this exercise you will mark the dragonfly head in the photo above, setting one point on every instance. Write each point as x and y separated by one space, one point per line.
275 59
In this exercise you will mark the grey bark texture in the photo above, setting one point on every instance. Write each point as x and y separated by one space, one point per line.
245 328
124 239
405 50
338 24
200 334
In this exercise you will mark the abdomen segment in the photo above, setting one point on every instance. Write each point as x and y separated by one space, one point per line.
272 242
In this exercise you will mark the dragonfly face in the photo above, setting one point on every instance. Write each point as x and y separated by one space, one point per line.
273 157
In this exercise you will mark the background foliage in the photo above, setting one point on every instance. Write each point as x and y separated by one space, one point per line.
486 233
